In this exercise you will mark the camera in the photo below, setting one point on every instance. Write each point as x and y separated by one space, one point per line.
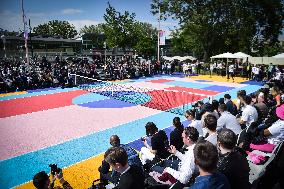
97 186
54 169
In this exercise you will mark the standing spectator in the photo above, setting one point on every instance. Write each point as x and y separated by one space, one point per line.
206 158
232 71
175 135
231 162
227 120
131 176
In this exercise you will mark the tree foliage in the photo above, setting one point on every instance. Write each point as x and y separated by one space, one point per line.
97 29
56 28
217 26
122 30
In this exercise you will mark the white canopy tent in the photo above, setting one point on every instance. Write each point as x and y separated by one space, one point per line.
241 55
279 56
227 56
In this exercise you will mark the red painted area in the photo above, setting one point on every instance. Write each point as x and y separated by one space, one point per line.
164 100
160 81
37 103
199 91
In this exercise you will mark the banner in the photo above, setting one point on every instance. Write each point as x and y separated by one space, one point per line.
162 35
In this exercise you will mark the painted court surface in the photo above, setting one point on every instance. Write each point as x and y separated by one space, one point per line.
71 127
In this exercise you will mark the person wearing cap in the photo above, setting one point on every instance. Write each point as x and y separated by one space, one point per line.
275 132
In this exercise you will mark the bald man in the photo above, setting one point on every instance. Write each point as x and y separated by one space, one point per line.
113 176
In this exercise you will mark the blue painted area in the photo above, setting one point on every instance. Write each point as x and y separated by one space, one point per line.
22 168
40 90
89 97
127 96
59 90
108 103
253 83
218 88
188 84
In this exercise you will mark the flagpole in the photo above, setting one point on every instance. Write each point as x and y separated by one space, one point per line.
26 39
158 52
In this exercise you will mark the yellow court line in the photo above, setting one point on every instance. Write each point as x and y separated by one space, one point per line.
14 93
218 78
80 175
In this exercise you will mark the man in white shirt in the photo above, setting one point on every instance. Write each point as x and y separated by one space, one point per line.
227 120
186 166
249 113
275 132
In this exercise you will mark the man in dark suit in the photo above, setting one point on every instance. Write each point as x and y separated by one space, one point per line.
131 176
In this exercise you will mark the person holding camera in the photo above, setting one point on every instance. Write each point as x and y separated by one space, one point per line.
41 180
159 142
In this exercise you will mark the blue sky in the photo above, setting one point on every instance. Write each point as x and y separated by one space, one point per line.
79 13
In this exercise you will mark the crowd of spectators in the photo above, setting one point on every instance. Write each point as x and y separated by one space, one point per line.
217 149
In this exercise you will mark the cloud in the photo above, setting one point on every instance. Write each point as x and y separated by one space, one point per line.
71 11
81 23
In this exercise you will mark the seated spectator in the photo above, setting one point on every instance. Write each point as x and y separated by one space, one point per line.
275 132
175 135
231 107
190 116
275 92
206 158
184 170
261 106
227 120
131 176
240 95
159 142
41 181
208 108
231 162
249 113
210 123
113 176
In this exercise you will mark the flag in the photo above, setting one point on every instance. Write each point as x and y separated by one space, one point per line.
162 35
26 32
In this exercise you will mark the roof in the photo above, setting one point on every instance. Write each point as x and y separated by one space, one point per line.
43 39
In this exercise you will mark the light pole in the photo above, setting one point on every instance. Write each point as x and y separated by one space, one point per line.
105 51
4 43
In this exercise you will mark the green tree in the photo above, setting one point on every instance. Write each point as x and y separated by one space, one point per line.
56 28
97 29
119 28
217 26
146 38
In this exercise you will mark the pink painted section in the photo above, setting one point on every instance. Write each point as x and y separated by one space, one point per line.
25 133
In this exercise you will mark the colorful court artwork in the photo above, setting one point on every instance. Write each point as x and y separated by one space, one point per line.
71 127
